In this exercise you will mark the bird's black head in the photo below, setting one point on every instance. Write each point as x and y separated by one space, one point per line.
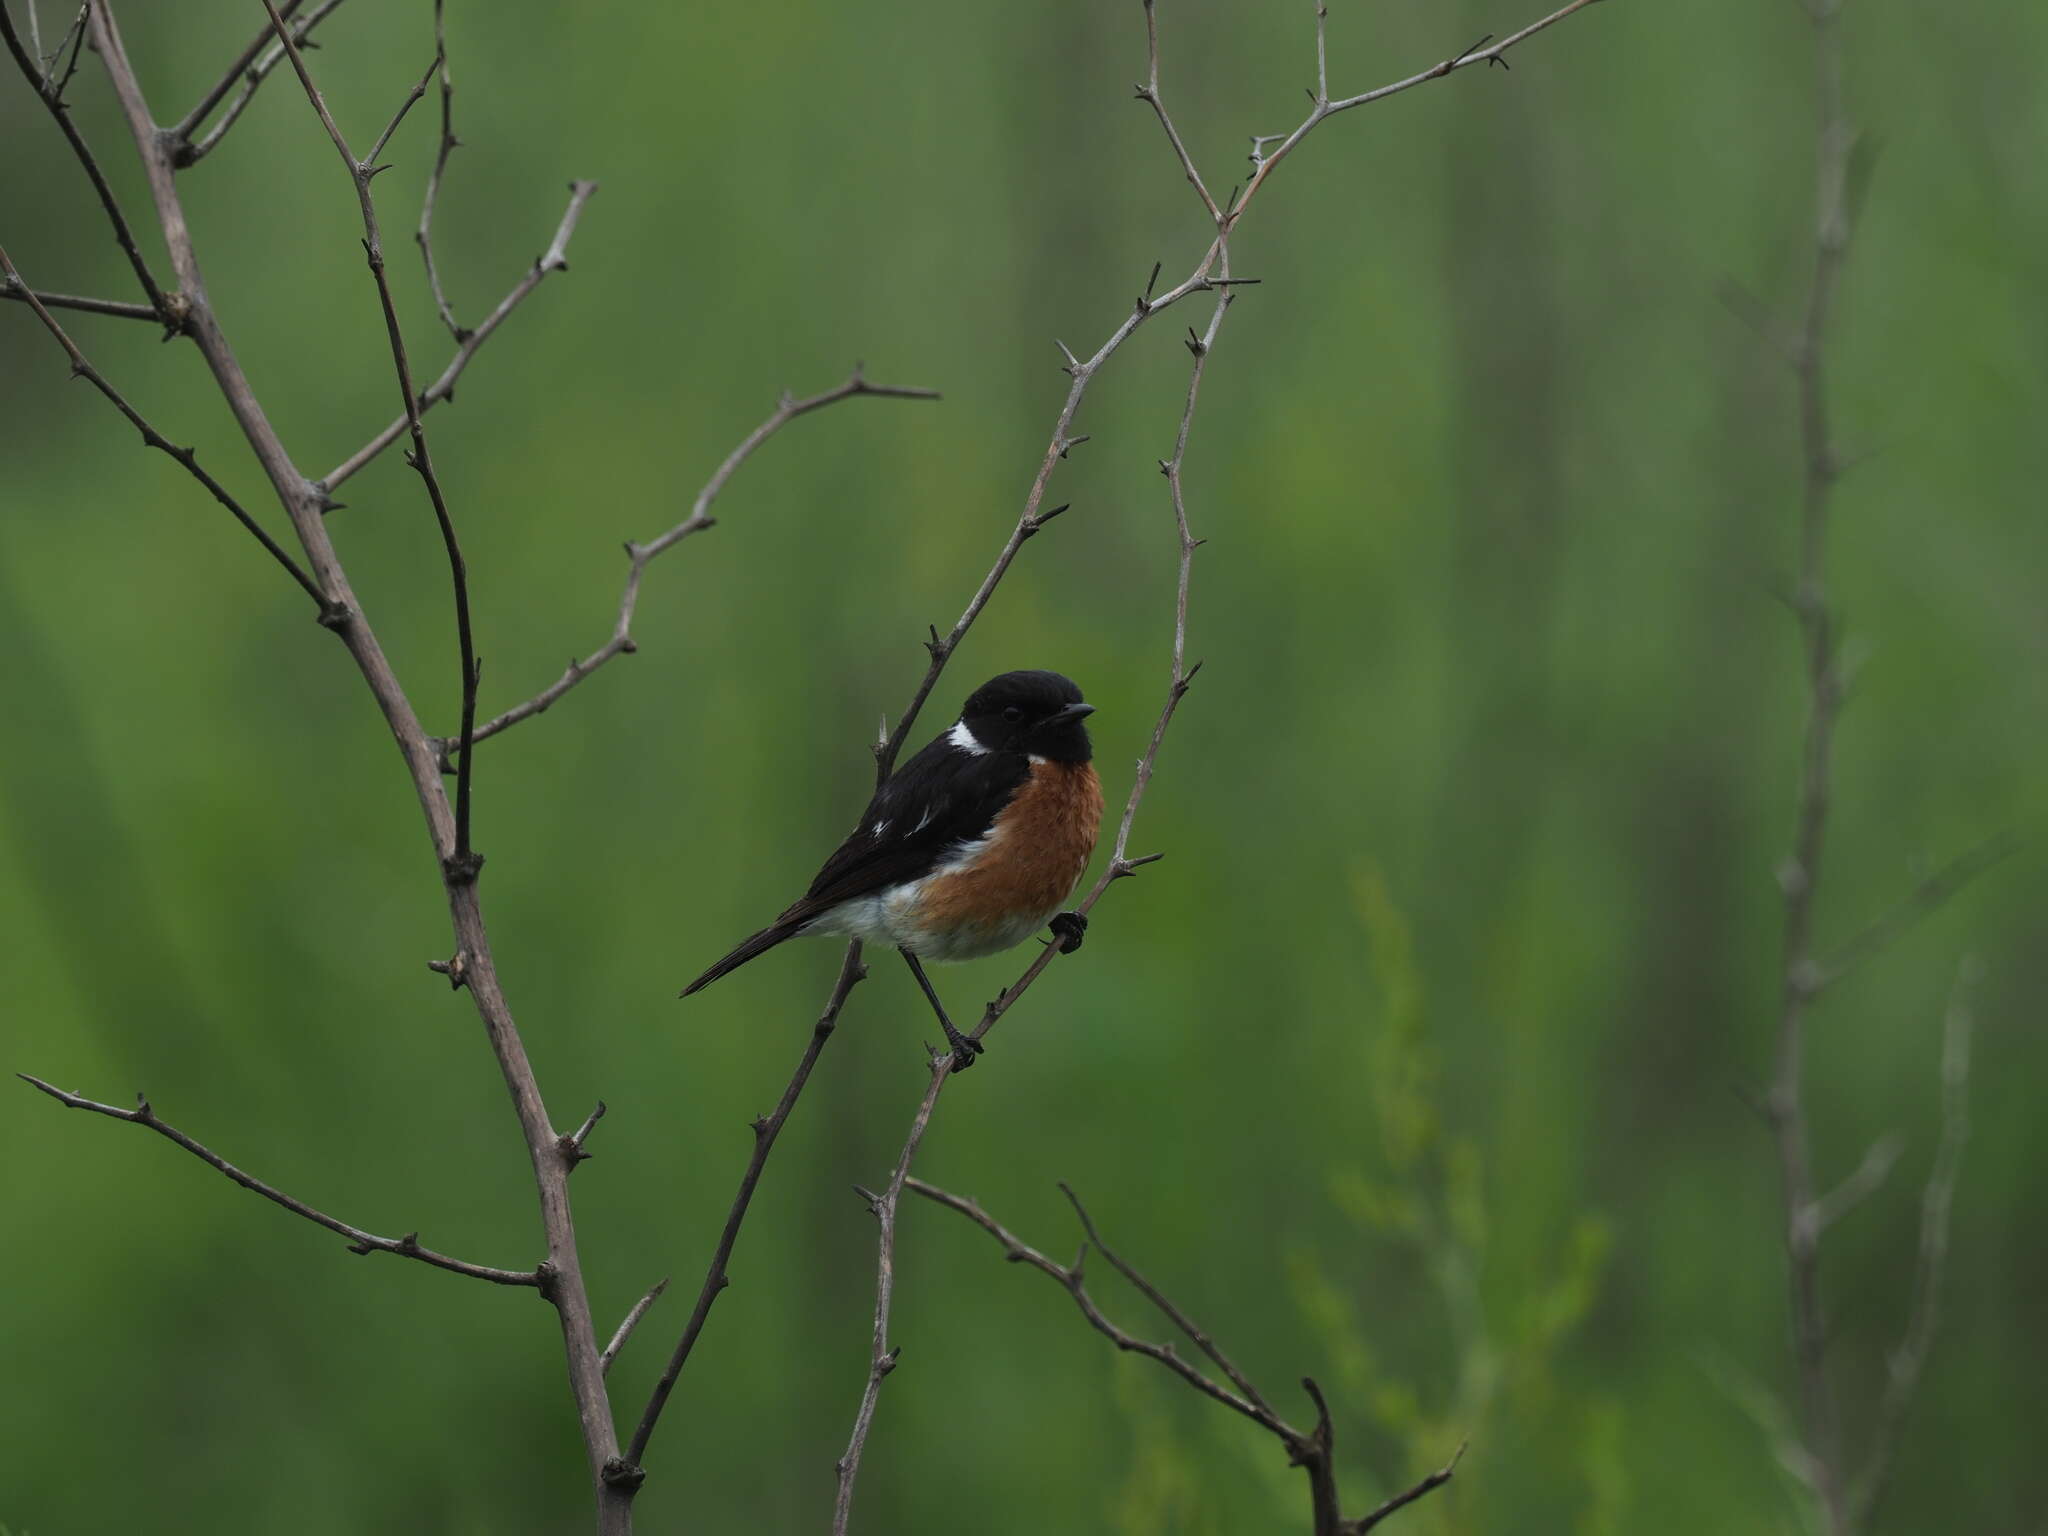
1038 713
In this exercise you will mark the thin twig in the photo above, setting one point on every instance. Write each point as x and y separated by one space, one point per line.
766 1129
12 289
1197 1336
463 864
1401 1501
555 259
181 132
51 95
629 1323
881 1357
1800 875
424 235
189 458
1924 899
640 556
186 150
361 1242
1082 371
1074 1280
1908 1361
1149 94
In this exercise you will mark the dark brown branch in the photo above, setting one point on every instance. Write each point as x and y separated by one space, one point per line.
1401 1501
13 289
424 235
50 94
81 368
555 259
361 1242
641 556
629 1323
251 70
766 1129
463 863
1906 1363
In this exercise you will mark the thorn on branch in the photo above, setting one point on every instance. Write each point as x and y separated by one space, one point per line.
1195 344
572 1145
873 1200
936 645
621 1473
1069 443
462 868
455 968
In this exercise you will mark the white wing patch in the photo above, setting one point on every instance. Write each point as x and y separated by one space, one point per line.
881 827
963 738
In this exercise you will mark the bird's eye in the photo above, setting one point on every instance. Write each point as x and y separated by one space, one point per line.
1013 714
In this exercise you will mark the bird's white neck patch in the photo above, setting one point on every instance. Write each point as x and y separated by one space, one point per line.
963 738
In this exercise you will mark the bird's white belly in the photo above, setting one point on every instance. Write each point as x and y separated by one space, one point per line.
891 917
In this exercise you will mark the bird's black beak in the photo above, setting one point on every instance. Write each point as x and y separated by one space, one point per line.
1070 714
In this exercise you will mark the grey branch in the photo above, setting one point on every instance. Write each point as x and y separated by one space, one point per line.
629 1323
1311 1450
640 556
1922 901
766 1129
252 67
1211 269
14 289
555 259
424 235
1909 1359
881 1356
359 1241
81 368
51 94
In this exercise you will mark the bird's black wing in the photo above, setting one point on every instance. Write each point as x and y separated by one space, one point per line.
941 797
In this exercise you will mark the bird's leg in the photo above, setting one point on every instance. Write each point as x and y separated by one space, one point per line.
964 1049
1069 928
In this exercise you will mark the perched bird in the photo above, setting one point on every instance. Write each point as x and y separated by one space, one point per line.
969 848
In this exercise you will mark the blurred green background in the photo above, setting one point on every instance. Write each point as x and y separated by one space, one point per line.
1418 1065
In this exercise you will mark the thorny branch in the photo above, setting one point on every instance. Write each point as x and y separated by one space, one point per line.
554 259
463 863
1211 274
251 68
424 235
1807 1214
189 458
640 556
1309 1450
359 1241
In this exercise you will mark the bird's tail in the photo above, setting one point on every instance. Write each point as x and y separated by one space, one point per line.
745 950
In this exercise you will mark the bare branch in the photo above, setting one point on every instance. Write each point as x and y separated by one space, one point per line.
640 556
1212 266
1866 1181
882 1358
1923 900
361 1242
189 458
463 863
185 150
51 95
1908 1361
1174 1315
629 1323
13 289
556 259
1251 1405
424 235
766 1129
1401 1501
1149 94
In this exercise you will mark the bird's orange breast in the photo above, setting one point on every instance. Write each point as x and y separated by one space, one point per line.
1037 848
